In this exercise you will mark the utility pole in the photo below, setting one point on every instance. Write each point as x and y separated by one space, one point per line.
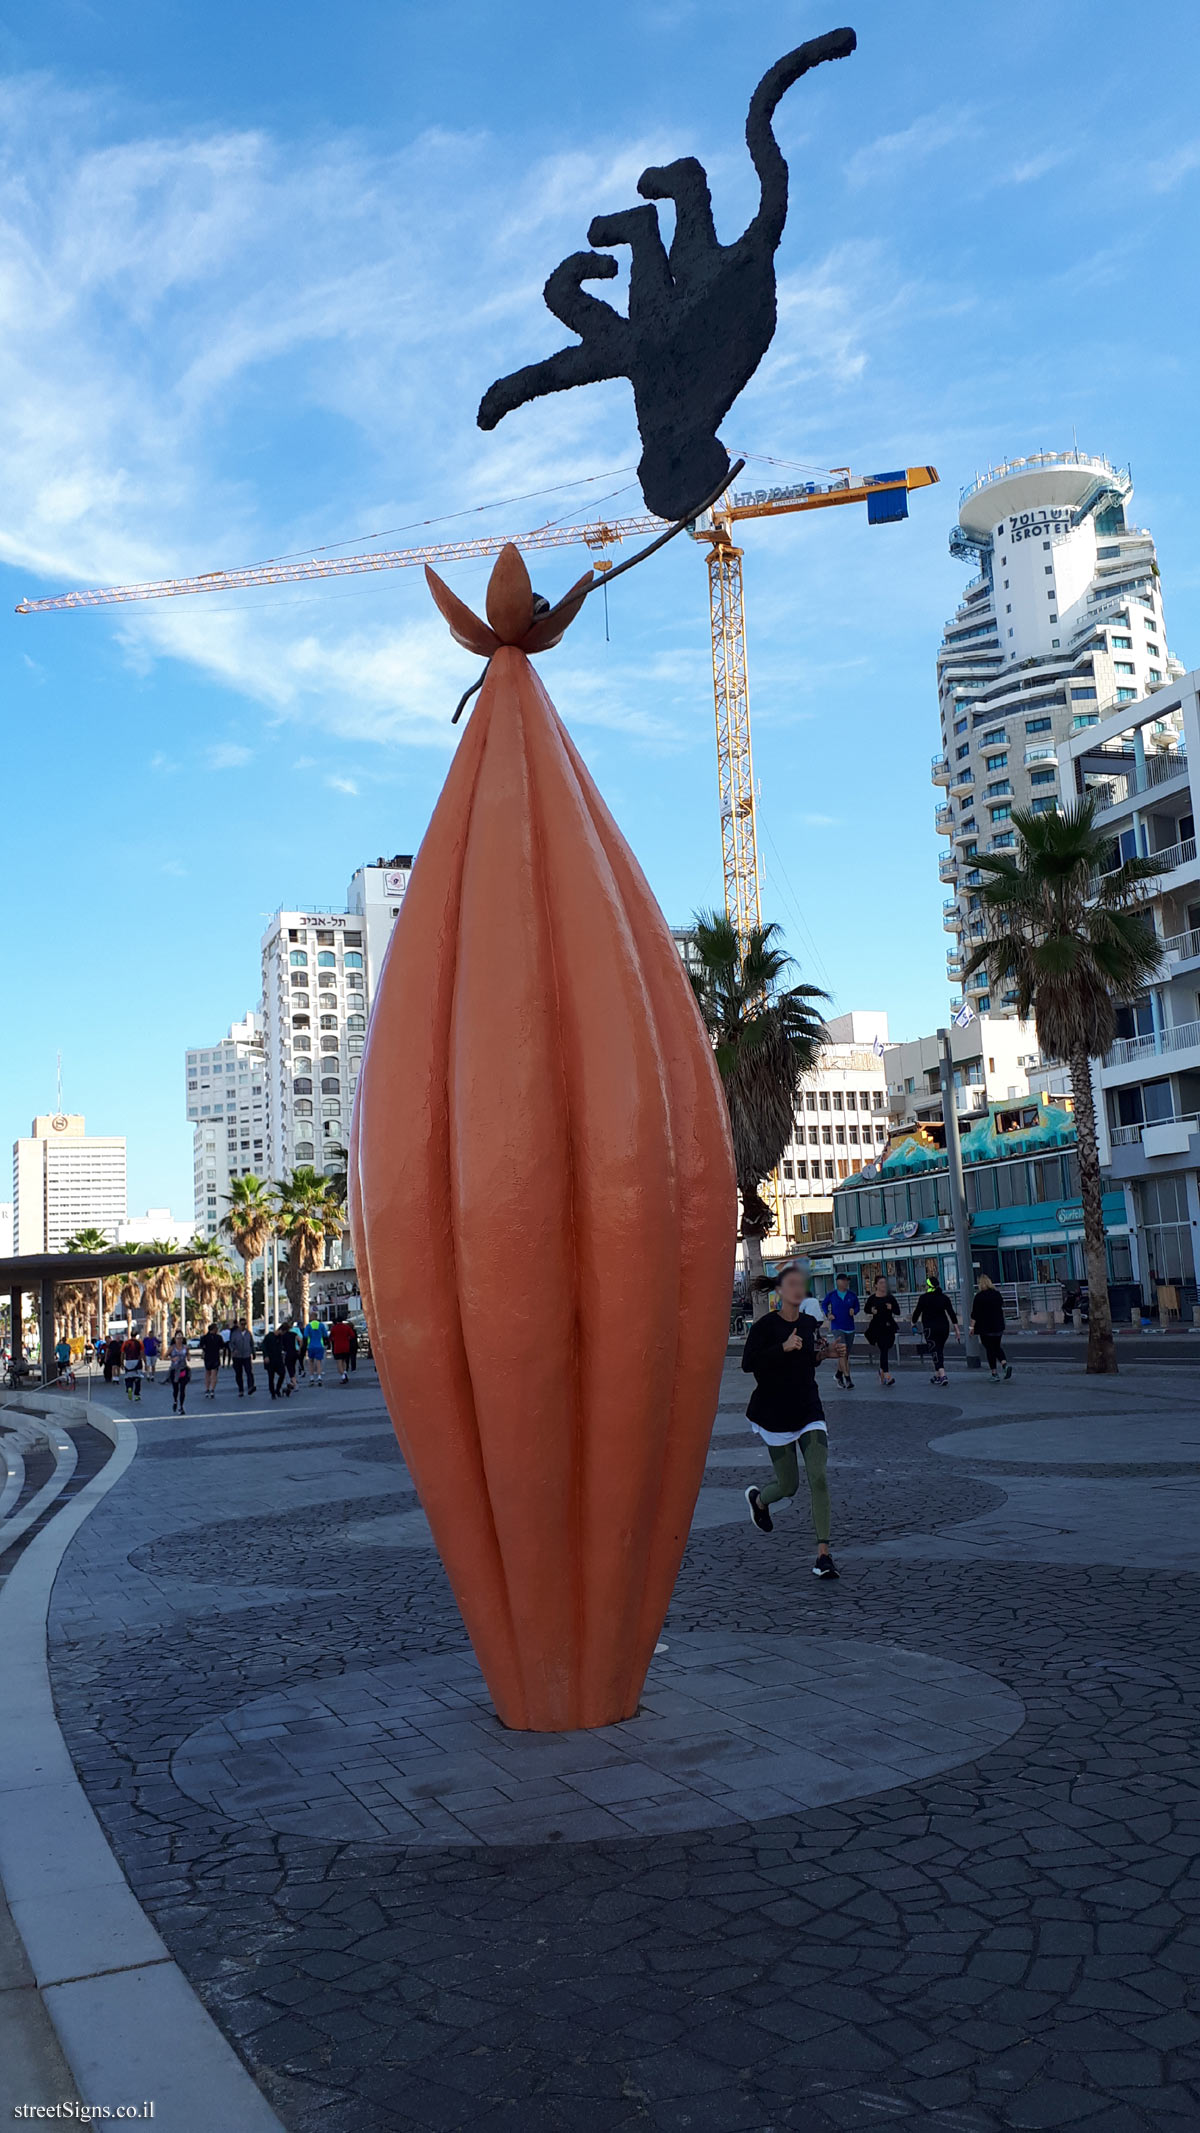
958 1200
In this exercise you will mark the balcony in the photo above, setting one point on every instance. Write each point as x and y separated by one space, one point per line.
1180 1037
1128 780
943 819
940 770
961 778
951 916
1040 752
954 966
1165 861
947 868
1130 1136
1182 947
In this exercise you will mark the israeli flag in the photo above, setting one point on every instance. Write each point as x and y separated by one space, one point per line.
965 1016
877 1048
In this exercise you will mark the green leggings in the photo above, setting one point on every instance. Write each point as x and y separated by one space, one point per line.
814 1449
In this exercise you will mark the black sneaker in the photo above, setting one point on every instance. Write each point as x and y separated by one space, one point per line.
759 1512
1008 1370
847 1383
825 1567
840 1379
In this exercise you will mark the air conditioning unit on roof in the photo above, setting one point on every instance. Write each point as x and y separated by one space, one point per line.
946 1223
843 1236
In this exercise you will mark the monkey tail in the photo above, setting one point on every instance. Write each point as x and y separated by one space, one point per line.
765 152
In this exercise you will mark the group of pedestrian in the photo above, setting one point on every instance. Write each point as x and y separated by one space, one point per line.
784 1350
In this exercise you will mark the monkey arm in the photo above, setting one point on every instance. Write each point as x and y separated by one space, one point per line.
649 273
603 341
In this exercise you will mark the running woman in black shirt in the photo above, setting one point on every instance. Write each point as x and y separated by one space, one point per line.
781 1353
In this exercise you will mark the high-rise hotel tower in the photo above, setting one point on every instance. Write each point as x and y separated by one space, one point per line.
1062 622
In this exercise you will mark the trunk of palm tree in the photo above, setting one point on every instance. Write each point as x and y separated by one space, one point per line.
248 1290
1102 1348
304 1296
752 1247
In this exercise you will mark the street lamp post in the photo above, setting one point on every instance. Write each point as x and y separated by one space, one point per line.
958 1199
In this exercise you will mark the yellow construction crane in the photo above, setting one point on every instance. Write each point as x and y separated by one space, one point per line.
886 498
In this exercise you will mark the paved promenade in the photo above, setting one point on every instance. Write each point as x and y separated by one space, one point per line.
916 1847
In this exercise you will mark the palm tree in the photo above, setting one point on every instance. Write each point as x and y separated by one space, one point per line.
90 1239
310 1213
250 1222
766 1037
209 1274
1068 932
160 1283
131 1285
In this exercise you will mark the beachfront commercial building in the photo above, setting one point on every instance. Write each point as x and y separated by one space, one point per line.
66 1179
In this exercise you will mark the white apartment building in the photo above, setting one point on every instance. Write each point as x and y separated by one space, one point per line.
227 1104
841 1123
1143 767
6 1229
65 1179
319 973
993 1057
1062 623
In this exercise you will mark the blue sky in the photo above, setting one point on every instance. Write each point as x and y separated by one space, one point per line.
257 265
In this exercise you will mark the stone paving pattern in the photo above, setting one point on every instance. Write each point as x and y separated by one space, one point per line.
1010 1942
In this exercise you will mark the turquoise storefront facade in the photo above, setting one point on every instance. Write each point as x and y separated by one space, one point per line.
1021 1177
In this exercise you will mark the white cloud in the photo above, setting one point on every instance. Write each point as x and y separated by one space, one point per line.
820 821
346 785
1037 166
881 160
228 755
1171 170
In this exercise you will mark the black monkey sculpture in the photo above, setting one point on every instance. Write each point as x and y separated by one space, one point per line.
701 315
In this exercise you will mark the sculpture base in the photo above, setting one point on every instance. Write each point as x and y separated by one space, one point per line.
731 1729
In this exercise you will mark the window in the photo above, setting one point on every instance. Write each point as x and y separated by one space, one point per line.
788 1170
1010 633
1037 725
356 1022
810 1100
1001 843
996 762
1008 611
1126 696
1083 696
302 1086
329 1022
326 978
802 1170
1045 544
837 1099
814 1138
824 1099
839 1134
960 725
829 1170
999 814
1152 649
827 1135
1155 674
326 960
959 753
851 1103
881 1133
301 1022
853 1133
1124 666
304 1151
1049 568
330 1088
298 956
1122 644
1042 777
352 962
1002 785
1050 596
983 1004
1043 807
299 1044
864 1099
303 1107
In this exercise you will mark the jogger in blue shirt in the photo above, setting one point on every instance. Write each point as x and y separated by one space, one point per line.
841 1309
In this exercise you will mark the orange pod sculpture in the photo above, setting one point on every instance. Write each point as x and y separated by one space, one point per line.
542 1201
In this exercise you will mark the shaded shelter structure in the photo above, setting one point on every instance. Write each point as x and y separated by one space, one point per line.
41 1271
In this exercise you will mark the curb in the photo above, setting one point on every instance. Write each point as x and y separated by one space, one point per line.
128 2022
